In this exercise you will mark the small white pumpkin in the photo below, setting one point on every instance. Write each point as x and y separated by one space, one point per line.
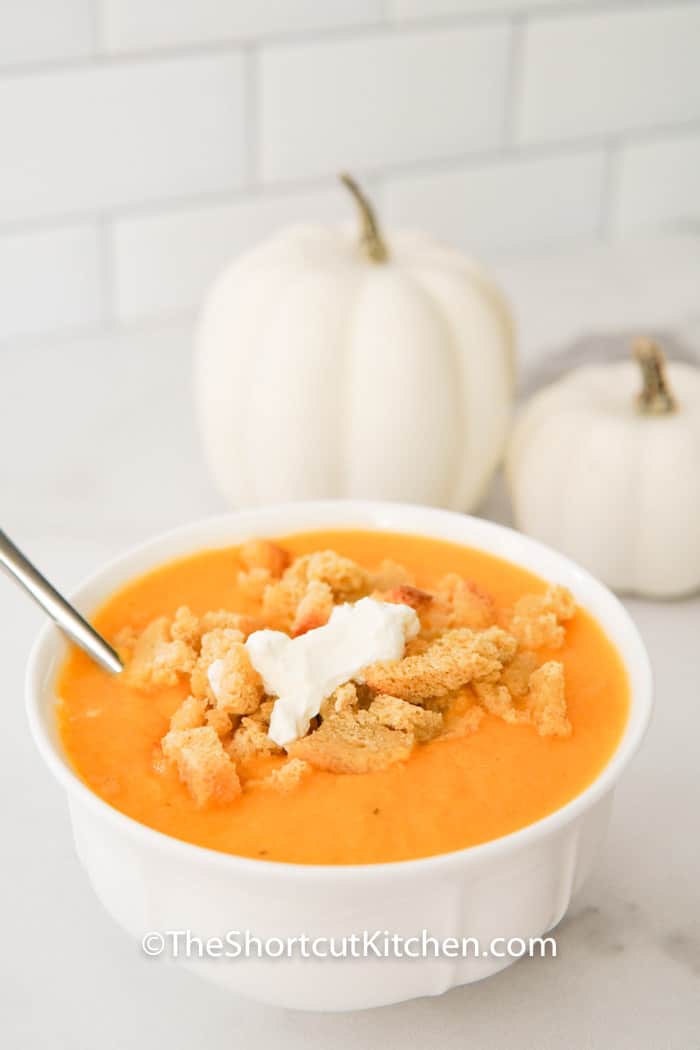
328 366
610 475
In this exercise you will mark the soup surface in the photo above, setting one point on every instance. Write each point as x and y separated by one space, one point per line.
448 794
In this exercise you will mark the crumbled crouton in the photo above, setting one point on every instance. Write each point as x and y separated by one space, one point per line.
344 698
286 778
253 582
458 603
281 598
536 619
203 765
261 554
399 714
223 619
251 739
451 661
157 659
352 742
214 646
470 605
498 701
404 594
346 578
186 627
561 601
462 716
190 714
220 721
314 609
190 628
547 700
390 574
516 674
235 684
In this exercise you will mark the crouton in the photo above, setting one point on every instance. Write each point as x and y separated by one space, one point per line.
262 554
455 658
352 742
314 609
250 738
462 715
235 684
224 619
516 674
186 627
190 714
344 698
346 578
470 605
286 778
404 594
203 765
220 721
498 701
252 583
547 701
214 646
390 574
399 714
157 659
536 619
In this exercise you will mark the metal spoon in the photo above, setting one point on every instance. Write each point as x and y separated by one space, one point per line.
61 612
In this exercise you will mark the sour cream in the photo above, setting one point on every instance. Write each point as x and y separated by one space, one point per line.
302 672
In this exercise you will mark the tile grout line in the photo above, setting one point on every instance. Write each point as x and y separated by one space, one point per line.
516 66
386 24
253 129
470 161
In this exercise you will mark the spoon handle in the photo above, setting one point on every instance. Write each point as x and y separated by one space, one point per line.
61 612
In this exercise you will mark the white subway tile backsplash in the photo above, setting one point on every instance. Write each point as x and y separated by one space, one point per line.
130 176
658 184
45 30
506 204
50 281
164 263
381 99
607 71
133 24
88 139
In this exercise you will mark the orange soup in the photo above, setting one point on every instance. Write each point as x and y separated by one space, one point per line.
489 765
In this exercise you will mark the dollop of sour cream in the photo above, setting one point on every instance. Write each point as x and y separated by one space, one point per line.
302 672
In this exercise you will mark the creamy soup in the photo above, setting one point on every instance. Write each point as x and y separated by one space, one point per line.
476 761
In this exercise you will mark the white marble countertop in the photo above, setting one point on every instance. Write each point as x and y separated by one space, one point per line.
99 452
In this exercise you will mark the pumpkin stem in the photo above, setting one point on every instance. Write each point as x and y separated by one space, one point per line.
370 237
655 398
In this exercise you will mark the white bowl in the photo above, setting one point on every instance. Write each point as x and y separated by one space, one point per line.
517 886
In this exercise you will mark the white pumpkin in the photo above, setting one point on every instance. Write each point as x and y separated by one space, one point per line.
606 467
329 366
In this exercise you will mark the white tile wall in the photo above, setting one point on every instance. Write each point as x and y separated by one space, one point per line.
388 99
129 24
606 72
505 204
143 143
659 184
41 30
86 139
50 281
165 262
